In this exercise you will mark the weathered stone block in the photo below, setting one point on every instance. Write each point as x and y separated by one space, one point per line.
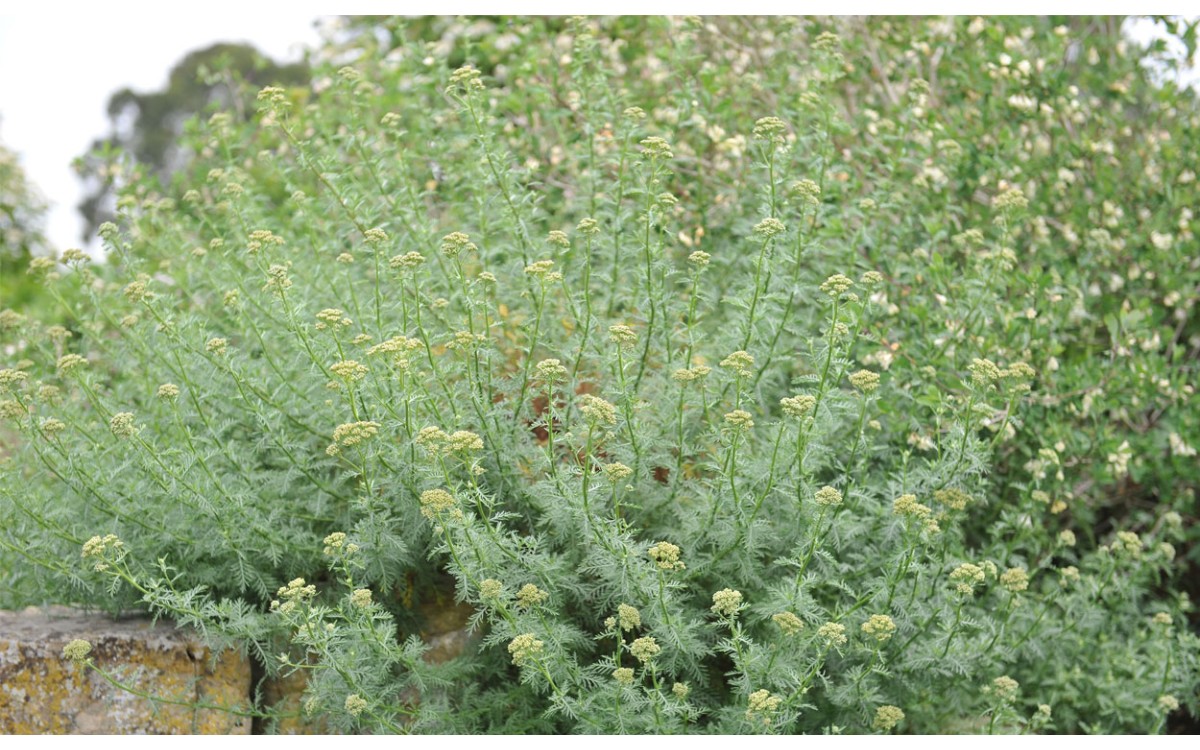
42 692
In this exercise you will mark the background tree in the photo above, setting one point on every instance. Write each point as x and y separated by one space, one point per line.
146 128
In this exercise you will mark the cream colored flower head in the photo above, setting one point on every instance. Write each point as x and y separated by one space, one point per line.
13 409
807 191
865 381
550 371
629 617
543 270
952 497
833 633
296 591
468 78
828 496
827 41
770 129
622 335
984 372
137 291
121 425
687 375
462 441
530 596
349 370
788 622
769 228
616 471
334 543
1003 688
644 649
880 627
1128 543
1010 200
69 362
836 285
355 704
409 260
1015 579
524 647
657 148
666 555
431 438
887 717
351 434
740 420
907 505
456 243
490 589
727 602
435 502
798 406
51 426
597 410
97 546
360 598
10 378
741 363
762 705
77 650
966 577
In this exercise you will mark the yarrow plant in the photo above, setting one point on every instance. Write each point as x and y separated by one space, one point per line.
777 408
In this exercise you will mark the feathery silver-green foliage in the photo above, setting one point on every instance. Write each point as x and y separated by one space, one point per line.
701 355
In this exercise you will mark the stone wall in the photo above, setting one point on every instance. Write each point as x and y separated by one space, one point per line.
170 682
43 692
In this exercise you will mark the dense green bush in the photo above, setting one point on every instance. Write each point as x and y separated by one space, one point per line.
22 216
744 375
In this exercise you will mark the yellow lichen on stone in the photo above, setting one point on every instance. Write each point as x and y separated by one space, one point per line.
41 692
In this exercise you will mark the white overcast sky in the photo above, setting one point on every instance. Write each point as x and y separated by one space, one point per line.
59 66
